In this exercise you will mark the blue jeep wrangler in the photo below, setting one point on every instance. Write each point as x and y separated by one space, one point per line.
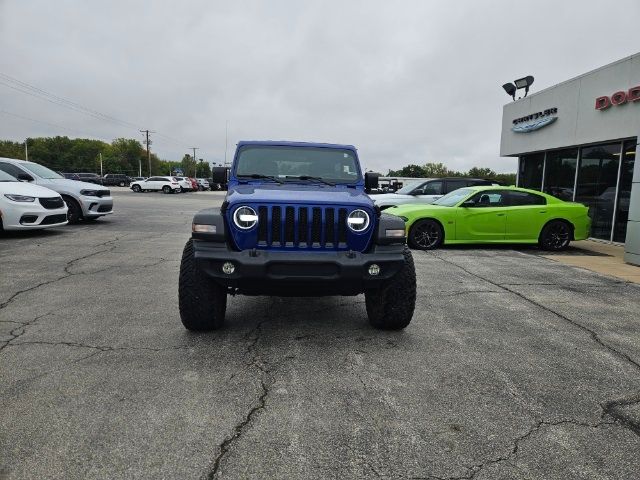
296 221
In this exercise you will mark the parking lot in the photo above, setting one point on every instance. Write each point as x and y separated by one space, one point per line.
514 367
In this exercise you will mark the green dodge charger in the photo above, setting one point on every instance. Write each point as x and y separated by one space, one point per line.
494 215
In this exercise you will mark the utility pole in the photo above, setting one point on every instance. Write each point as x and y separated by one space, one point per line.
148 142
195 162
226 138
26 150
100 163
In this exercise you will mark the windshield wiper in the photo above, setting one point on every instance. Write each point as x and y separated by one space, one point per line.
258 175
309 177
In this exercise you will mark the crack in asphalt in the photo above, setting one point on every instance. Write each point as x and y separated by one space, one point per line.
21 330
100 348
611 408
67 273
615 409
266 381
478 467
592 333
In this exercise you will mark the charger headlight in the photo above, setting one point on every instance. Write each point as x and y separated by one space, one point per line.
358 220
19 198
245 217
89 193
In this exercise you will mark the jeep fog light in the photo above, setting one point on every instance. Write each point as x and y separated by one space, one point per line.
200 228
374 269
228 268
395 233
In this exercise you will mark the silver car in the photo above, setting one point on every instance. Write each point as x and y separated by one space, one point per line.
84 200
426 190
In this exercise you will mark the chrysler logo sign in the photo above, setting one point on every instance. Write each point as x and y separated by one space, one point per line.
535 121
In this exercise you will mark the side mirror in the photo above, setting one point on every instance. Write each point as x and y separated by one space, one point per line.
371 181
220 175
468 204
25 177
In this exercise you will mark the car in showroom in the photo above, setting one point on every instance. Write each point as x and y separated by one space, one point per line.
426 190
494 214
164 184
85 201
24 206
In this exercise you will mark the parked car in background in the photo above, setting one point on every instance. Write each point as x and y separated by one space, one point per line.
165 184
185 184
203 184
495 215
119 179
90 177
84 200
71 176
427 190
24 206
194 184
137 179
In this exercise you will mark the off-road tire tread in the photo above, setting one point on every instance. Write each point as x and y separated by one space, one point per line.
201 301
391 307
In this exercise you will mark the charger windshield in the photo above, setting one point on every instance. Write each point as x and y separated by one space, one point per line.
297 163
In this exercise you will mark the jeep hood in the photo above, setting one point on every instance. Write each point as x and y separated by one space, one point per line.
296 194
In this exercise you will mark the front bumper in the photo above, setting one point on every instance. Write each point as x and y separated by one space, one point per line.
31 216
96 206
298 273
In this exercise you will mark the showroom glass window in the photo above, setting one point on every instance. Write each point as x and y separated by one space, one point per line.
596 187
560 173
531 167
624 191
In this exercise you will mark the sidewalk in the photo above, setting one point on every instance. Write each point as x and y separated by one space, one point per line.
599 257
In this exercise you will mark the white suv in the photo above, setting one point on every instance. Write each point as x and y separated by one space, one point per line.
29 207
85 200
166 184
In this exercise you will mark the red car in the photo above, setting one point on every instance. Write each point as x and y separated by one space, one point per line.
194 184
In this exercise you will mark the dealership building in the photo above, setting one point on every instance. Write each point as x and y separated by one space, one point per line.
578 140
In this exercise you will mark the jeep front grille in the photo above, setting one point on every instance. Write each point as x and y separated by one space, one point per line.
302 227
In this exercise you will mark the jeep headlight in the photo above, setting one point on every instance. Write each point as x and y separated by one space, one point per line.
245 217
358 220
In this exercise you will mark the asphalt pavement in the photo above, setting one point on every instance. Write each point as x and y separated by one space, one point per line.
514 367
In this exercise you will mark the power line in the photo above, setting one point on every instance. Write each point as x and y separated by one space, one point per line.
49 124
41 94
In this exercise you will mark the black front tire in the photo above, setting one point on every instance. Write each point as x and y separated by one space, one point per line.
166 189
74 214
392 306
136 188
425 234
555 236
201 301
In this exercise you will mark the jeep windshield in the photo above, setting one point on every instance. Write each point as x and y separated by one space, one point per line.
297 164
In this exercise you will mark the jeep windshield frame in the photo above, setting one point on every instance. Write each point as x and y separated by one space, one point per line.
297 164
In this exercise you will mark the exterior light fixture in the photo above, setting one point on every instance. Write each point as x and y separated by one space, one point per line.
524 82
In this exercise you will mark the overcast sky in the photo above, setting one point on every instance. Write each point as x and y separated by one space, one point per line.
404 81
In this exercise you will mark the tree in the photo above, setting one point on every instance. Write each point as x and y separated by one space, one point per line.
478 172
188 165
203 170
436 170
